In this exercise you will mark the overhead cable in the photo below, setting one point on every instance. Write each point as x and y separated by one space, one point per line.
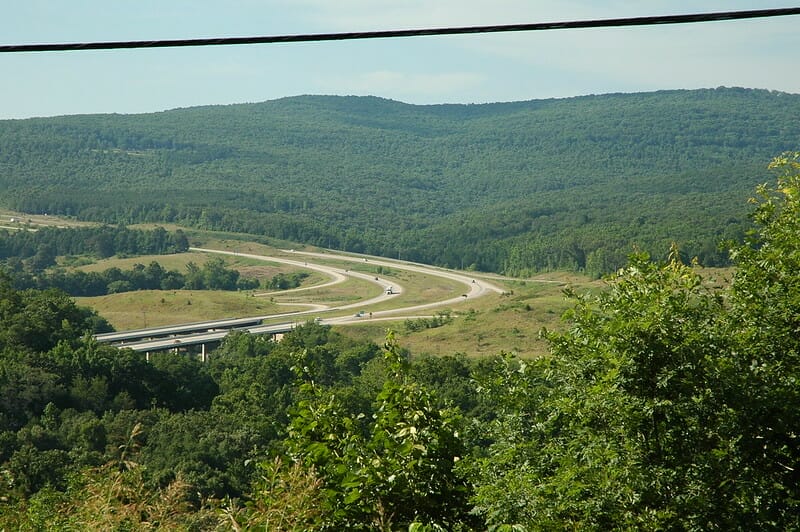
602 23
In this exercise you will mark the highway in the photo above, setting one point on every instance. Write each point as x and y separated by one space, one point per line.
202 338
202 333
172 330
473 287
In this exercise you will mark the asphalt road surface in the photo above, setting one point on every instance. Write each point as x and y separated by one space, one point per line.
473 287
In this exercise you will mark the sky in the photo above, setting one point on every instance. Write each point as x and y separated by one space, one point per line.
758 53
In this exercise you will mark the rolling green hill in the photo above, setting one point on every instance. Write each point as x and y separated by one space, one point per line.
514 187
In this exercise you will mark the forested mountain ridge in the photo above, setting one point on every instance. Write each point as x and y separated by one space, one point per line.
514 187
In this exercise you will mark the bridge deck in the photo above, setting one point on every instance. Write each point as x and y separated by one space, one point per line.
185 328
163 344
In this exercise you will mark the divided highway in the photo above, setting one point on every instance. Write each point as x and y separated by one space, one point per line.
162 338
473 287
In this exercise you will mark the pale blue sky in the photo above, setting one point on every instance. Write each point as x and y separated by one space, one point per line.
760 53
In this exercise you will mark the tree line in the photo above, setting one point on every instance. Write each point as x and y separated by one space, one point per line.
212 275
39 247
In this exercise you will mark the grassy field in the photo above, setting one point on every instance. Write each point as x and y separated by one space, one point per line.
151 308
17 220
488 325
259 269
483 326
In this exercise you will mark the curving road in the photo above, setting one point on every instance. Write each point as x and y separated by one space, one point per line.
474 287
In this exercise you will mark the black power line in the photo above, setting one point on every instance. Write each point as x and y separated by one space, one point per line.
602 23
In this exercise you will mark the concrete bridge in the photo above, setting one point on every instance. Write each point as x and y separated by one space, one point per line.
181 336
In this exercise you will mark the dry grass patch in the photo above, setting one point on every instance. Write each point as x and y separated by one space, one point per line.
489 325
21 220
480 327
153 308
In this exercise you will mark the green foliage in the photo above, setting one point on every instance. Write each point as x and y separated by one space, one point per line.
207 451
388 471
496 187
418 324
666 404
35 320
452 378
216 277
286 281
213 275
40 247
764 382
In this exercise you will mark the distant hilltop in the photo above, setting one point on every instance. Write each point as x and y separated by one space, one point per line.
514 187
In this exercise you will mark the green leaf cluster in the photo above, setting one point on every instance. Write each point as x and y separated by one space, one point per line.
668 403
386 470
212 275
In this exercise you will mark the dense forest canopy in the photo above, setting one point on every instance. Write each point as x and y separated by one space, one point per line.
668 403
513 187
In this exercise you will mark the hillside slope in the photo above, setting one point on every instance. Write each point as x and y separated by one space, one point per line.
509 186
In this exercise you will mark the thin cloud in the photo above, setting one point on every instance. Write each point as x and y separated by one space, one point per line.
402 85
630 58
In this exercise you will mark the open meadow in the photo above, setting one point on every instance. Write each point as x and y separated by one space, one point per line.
509 321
